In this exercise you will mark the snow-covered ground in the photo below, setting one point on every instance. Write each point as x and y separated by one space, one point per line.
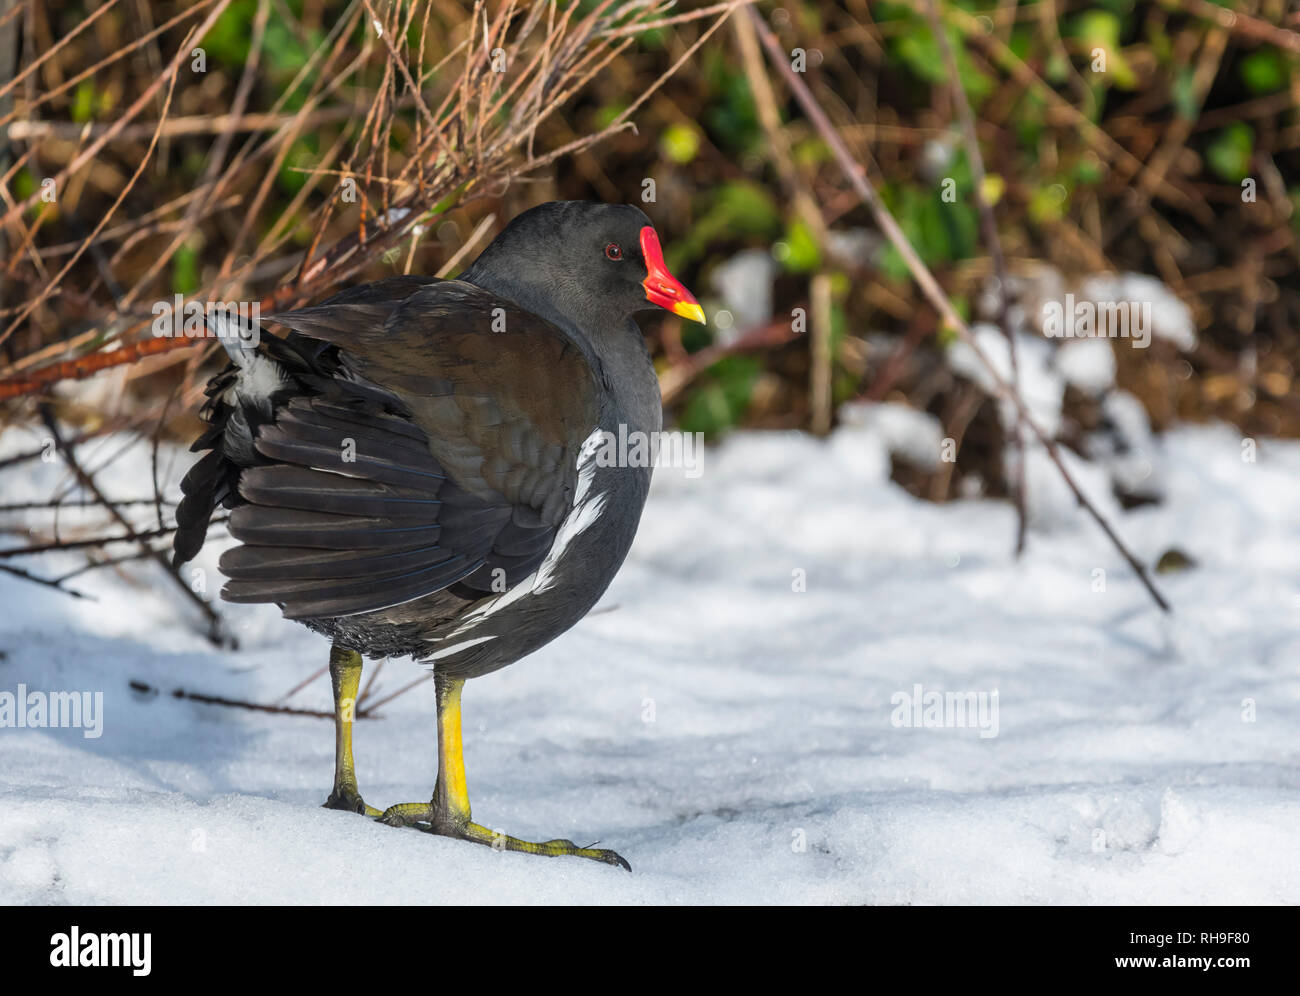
737 739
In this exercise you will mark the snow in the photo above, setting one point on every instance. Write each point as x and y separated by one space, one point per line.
745 285
1041 387
1171 317
913 435
727 732
1126 446
1087 364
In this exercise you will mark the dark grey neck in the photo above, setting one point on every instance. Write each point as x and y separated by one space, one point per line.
626 357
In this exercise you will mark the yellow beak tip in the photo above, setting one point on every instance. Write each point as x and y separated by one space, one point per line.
689 310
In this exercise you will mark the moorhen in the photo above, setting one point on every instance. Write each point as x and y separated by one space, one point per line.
412 470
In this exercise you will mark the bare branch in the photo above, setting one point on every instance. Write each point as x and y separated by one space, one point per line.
857 177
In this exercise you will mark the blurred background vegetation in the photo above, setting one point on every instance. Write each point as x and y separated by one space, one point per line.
1133 162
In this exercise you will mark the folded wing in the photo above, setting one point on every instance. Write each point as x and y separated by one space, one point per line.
427 438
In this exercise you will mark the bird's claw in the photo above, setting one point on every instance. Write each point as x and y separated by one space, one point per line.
349 801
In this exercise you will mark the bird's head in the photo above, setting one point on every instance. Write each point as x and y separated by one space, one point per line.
579 258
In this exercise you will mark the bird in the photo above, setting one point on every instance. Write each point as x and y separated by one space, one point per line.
412 470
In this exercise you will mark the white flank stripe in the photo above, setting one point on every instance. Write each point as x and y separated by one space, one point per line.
457 647
586 510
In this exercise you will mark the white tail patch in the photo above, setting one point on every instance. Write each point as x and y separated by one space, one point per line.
259 377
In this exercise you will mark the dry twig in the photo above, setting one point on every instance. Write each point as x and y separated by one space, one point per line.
856 176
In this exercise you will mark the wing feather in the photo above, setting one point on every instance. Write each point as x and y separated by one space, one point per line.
427 439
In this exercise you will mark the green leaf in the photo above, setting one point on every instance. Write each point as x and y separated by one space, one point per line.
1186 103
83 101
721 401
680 143
812 152
1058 68
1049 203
24 184
1088 170
229 38
607 114
1097 27
731 118
918 49
802 254
303 155
1229 154
738 210
940 231
1029 119
1098 31
1264 71
185 269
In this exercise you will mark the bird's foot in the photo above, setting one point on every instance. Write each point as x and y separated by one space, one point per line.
349 800
426 817
407 814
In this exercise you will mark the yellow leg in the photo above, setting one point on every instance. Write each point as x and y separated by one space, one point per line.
448 815
345 679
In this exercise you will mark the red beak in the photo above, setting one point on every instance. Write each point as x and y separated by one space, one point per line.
661 287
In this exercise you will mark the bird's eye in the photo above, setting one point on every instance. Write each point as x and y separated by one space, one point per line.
614 251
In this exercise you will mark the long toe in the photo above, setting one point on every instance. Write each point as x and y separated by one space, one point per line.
559 847
406 814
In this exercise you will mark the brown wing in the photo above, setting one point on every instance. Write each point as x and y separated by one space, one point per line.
505 398
440 450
